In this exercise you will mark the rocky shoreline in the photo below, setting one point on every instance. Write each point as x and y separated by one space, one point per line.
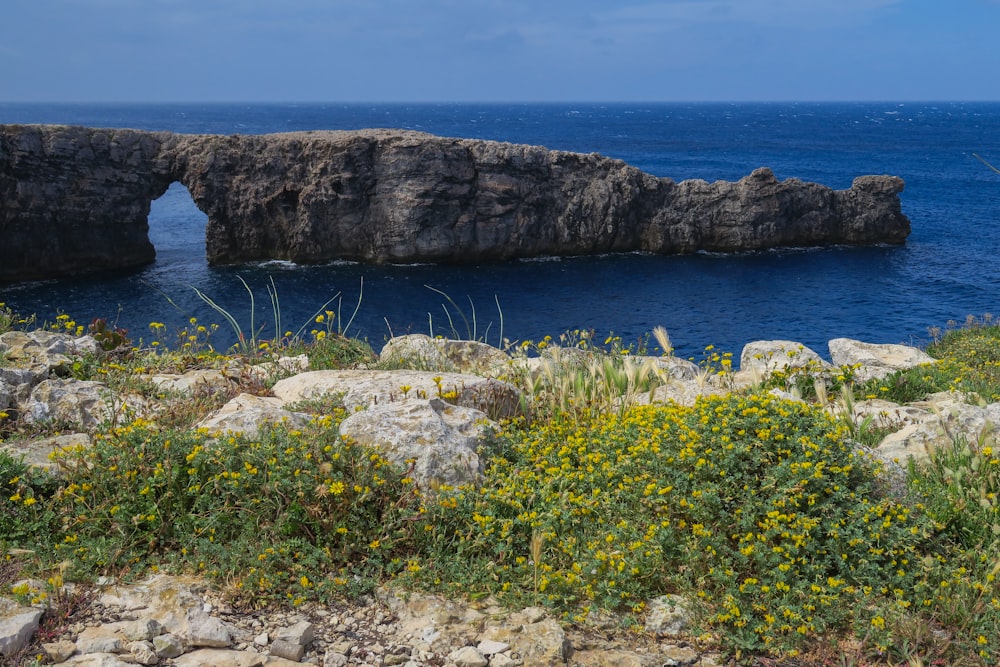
75 200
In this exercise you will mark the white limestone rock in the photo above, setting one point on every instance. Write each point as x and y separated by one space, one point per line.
421 352
199 381
247 413
43 453
468 656
876 360
17 625
439 437
946 422
668 616
764 357
365 388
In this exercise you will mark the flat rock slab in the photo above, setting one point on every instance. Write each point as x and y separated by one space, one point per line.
365 388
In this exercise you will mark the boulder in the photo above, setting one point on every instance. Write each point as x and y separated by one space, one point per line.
247 413
421 352
439 438
83 404
538 640
948 422
41 453
882 414
364 388
668 616
201 381
680 392
876 361
177 607
764 357
17 625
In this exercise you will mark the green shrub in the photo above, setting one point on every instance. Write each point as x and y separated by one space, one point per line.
280 515
760 505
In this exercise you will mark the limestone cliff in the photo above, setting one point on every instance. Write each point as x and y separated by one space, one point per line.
76 199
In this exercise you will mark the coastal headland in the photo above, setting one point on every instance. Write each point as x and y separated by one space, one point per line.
75 200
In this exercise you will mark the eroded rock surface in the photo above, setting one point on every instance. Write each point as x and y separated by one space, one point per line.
76 199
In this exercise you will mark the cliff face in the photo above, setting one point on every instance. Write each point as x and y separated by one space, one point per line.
76 199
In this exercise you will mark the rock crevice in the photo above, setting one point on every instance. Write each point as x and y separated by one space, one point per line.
77 199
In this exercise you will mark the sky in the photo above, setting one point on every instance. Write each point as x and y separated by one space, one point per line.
498 50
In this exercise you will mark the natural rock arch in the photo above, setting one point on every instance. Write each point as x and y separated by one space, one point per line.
75 199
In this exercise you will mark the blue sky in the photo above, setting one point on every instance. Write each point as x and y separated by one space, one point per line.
498 50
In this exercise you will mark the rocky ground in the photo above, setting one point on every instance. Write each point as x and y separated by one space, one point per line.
179 621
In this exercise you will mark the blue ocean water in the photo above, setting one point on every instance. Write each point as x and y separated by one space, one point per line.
946 270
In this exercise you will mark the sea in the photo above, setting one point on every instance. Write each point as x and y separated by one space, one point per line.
946 271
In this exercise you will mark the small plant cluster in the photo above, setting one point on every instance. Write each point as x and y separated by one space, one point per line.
762 511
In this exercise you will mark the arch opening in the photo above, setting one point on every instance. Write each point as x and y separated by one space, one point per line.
177 227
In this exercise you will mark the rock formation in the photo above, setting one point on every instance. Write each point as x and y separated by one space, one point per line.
76 199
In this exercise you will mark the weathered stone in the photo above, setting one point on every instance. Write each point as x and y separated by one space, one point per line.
168 646
102 639
269 370
440 438
668 616
75 199
290 643
143 629
334 659
44 453
97 660
672 656
205 630
502 660
764 357
882 414
947 422
275 661
876 360
81 402
208 657
59 651
176 605
364 388
488 647
17 625
200 381
468 656
680 392
419 351
16 383
675 368
247 413
540 642
611 658
48 349
143 653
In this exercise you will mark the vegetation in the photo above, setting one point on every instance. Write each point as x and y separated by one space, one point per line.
764 512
